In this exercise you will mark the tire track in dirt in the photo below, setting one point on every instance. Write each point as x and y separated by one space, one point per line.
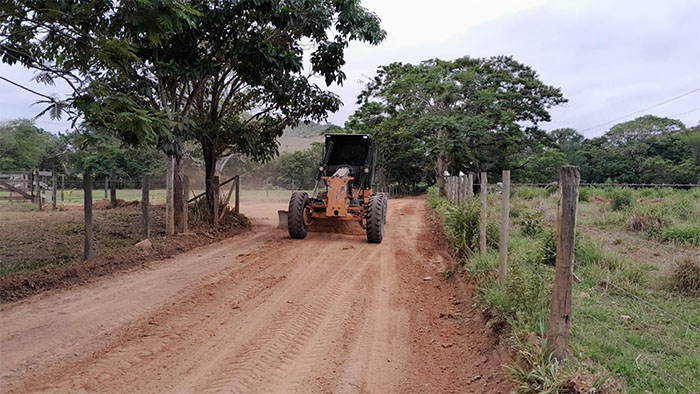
258 313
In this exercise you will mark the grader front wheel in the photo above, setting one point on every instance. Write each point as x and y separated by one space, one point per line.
375 219
298 218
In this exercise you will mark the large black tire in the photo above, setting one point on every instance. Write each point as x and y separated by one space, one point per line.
385 206
375 219
296 224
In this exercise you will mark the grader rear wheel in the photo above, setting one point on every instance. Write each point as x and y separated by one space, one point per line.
375 219
298 216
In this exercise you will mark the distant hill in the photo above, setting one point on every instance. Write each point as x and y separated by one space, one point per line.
302 136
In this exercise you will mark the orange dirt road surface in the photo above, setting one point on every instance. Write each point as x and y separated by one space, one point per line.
262 313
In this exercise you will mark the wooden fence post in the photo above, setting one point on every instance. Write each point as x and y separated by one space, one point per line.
215 190
145 202
112 189
185 193
63 185
106 187
169 211
87 206
505 221
482 220
560 312
470 185
54 181
38 190
238 194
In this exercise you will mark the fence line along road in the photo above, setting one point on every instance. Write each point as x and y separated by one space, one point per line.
674 185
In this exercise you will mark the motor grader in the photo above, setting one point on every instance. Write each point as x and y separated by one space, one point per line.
347 172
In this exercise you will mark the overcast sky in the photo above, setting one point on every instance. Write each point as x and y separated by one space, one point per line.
610 58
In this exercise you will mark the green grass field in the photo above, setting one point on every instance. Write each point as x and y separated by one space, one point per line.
158 196
630 321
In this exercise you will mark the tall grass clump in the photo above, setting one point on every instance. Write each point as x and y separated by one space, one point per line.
530 192
688 235
685 276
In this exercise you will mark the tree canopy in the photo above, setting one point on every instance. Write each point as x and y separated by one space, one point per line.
467 114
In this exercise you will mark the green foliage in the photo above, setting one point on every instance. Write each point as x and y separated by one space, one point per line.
535 370
621 198
466 114
530 192
23 146
584 194
462 227
531 223
687 234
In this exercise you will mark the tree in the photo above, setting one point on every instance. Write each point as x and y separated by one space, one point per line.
471 114
643 127
233 79
23 146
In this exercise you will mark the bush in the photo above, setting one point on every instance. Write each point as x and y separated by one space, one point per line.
621 198
548 248
647 222
535 369
531 223
685 276
689 235
584 194
462 227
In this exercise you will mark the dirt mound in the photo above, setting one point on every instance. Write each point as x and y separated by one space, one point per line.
336 227
598 200
105 204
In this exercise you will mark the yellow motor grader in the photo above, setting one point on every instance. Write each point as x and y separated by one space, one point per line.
347 171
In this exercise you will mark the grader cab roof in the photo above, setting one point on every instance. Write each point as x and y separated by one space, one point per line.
358 152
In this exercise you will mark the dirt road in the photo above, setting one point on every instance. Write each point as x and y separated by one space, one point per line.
261 312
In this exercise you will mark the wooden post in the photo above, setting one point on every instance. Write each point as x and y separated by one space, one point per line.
215 189
63 185
112 189
560 312
482 220
106 186
470 185
169 211
145 202
87 205
238 194
54 181
185 193
505 221
38 190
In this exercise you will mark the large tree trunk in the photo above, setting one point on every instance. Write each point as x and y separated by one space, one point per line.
441 164
440 167
177 194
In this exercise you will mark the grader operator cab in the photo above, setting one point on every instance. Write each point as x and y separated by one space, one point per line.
347 170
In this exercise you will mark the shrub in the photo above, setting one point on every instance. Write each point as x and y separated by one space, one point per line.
535 369
584 194
621 198
462 227
523 300
548 248
531 223
685 276
646 222
689 235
